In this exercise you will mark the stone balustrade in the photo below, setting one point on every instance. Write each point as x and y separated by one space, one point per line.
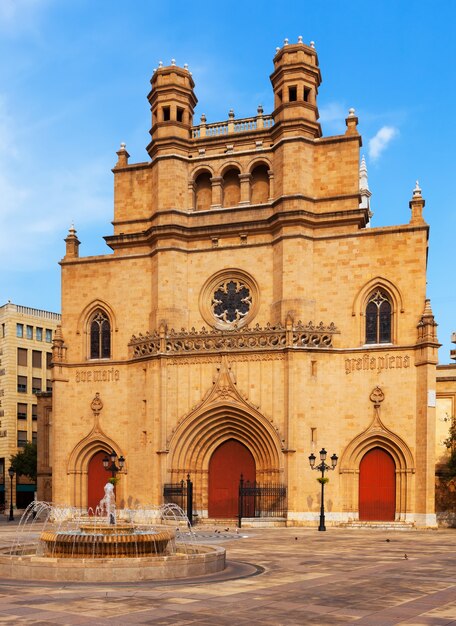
277 337
244 125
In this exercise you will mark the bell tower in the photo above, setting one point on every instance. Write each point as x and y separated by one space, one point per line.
172 103
295 82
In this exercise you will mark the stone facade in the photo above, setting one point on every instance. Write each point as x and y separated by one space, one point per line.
237 305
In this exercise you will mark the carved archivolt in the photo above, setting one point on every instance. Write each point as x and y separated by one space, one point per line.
224 414
95 441
377 435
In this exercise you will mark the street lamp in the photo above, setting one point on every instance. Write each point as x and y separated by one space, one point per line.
11 474
322 467
109 463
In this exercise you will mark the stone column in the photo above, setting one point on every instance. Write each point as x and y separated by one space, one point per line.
217 191
245 180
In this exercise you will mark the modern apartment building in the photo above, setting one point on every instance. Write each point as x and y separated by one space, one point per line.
25 358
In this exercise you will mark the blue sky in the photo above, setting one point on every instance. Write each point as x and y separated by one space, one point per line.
73 84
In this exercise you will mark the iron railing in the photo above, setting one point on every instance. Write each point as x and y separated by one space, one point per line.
256 500
180 494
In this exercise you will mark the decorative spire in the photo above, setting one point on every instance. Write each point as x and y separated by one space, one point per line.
122 154
58 346
427 308
427 326
72 243
300 39
351 121
364 189
416 205
363 183
417 190
312 44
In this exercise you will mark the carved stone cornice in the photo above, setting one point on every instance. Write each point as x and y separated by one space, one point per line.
269 338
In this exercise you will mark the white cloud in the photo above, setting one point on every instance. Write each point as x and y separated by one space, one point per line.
381 140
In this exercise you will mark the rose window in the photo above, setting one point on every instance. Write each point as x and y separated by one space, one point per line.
231 302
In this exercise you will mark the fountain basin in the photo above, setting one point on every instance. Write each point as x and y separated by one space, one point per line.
195 561
101 541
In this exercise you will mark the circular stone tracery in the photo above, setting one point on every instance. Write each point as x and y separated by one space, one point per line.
229 299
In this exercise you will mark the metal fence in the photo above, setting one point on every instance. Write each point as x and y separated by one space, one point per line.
180 494
256 500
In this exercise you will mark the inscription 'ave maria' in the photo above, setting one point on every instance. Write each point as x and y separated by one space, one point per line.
378 363
105 375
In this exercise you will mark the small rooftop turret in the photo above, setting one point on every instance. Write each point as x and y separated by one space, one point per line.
295 82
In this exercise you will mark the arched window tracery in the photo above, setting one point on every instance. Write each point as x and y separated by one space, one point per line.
379 318
100 336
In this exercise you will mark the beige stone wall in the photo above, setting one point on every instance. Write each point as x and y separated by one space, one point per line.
310 257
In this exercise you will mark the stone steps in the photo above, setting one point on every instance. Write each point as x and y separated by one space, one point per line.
358 525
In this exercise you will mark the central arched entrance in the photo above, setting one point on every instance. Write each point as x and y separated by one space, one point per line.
377 486
227 463
97 477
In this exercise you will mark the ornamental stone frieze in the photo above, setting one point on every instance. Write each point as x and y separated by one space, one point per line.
278 337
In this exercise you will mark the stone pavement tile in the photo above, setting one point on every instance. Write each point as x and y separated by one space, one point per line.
449 610
427 621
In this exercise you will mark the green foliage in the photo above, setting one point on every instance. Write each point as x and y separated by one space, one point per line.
323 480
113 480
451 465
24 462
450 441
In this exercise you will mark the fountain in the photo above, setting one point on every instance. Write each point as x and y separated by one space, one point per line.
145 543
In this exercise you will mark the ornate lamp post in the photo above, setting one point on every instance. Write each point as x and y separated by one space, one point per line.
109 463
322 467
11 474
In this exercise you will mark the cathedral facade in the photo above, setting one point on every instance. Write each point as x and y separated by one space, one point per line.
248 316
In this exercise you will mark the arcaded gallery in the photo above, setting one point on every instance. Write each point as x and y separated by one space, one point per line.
247 314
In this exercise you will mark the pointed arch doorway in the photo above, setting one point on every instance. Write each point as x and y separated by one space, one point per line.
97 477
227 463
377 486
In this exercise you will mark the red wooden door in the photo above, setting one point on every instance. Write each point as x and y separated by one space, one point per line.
96 479
228 462
377 486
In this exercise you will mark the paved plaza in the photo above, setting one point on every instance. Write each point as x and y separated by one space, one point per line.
274 576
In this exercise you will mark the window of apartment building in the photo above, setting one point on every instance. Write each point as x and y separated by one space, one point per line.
22 356
29 332
34 437
36 358
39 334
48 385
48 335
48 359
19 330
22 384
21 411
36 385
21 438
34 412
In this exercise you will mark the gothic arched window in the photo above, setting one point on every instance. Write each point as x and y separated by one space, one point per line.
100 336
378 318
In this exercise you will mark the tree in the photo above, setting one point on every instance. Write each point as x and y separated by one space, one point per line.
450 443
24 463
